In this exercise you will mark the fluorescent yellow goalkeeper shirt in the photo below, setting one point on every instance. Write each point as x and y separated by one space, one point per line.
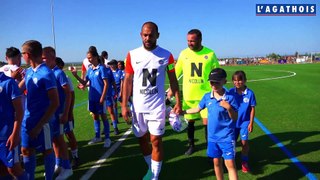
195 68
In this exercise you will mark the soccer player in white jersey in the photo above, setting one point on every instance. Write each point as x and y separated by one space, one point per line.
13 69
42 103
146 68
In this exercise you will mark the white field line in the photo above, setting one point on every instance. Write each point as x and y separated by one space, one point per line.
291 74
104 157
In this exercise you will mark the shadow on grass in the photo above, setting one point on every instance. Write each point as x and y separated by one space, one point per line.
264 153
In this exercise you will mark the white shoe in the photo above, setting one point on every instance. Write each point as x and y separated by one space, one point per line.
57 169
107 143
64 174
94 140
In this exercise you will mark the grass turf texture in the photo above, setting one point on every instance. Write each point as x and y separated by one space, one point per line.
288 107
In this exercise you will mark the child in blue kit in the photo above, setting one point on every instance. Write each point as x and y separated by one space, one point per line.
11 114
222 115
63 166
98 77
42 103
247 102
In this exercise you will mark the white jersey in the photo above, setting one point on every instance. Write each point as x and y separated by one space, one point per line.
106 62
149 69
85 64
8 68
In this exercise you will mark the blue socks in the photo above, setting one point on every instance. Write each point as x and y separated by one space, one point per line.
116 113
65 163
107 128
244 158
30 165
23 176
59 162
115 123
97 128
49 162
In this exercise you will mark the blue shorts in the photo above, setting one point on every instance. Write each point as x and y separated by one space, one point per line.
97 108
243 132
221 149
69 126
9 158
109 101
57 128
41 143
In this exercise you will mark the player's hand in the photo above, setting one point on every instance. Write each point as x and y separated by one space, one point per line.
13 141
250 128
64 118
101 100
126 113
73 70
81 86
34 132
177 109
17 74
225 105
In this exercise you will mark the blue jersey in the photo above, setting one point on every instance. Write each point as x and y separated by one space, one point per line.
96 76
220 125
246 101
38 82
61 80
123 74
9 91
117 74
111 80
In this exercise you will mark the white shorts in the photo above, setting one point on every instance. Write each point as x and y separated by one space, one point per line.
154 122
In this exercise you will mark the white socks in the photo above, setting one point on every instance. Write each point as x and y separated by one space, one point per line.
155 168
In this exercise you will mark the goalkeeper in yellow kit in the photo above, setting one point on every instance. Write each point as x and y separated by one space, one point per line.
194 65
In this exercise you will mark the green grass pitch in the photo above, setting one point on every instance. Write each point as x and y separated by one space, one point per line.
287 104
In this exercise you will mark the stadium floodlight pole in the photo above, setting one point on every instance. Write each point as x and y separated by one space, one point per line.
53 31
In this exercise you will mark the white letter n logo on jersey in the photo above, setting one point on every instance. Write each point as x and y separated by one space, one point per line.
151 77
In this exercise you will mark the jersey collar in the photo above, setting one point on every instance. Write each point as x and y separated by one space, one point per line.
224 97
36 68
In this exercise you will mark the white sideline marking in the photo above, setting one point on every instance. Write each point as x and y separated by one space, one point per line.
291 74
104 157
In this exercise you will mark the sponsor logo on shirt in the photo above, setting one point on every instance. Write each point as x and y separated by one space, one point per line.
196 81
161 61
149 91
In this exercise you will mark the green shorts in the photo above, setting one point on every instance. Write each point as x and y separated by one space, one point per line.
193 104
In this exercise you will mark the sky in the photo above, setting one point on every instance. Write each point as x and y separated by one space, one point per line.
229 27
